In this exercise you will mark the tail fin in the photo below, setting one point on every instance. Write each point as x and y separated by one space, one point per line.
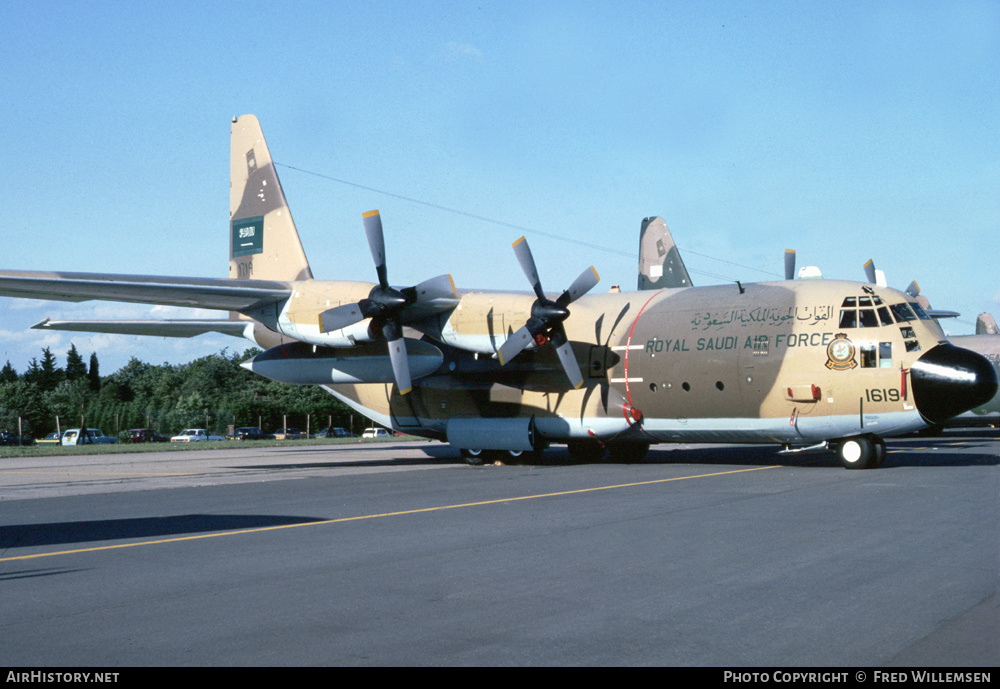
263 241
660 263
985 325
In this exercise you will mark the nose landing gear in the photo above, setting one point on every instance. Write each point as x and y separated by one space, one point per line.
863 452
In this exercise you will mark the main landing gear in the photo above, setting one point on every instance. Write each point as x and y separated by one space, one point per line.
476 457
863 452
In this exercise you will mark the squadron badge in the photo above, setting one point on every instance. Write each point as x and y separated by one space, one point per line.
840 354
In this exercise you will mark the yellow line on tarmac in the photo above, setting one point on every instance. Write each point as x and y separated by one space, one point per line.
55 472
384 514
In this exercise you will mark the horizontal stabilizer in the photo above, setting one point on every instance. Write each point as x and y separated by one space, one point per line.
939 313
162 328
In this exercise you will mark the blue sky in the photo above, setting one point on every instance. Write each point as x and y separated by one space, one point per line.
844 130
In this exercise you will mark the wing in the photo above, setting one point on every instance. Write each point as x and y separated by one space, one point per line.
206 293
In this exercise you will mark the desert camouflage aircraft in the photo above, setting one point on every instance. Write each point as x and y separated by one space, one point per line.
797 363
660 260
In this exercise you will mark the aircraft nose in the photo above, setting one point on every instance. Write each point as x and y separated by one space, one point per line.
948 381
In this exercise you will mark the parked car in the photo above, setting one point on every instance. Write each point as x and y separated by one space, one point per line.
376 433
193 435
93 436
288 434
51 439
145 435
248 433
334 432
8 438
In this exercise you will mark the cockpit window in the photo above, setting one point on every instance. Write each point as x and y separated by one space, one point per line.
883 316
868 319
902 312
921 314
865 312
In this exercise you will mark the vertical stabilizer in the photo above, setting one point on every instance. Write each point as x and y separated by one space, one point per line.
660 264
985 325
263 241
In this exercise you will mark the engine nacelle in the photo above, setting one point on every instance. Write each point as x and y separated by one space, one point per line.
300 363
492 434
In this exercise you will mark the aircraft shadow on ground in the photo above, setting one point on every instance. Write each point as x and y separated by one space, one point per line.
939 451
911 452
436 454
63 533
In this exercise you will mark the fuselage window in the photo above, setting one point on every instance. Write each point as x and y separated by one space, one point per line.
868 359
885 354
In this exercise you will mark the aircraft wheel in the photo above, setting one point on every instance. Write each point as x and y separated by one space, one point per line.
472 456
585 451
521 456
856 453
627 452
880 452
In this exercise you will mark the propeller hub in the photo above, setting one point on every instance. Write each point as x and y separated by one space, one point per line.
549 311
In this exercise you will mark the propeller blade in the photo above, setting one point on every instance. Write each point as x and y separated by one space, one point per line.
583 284
436 288
400 366
870 271
514 345
524 257
340 317
393 333
913 289
789 264
376 242
566 357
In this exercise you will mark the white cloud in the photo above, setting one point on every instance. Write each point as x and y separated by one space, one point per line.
459 51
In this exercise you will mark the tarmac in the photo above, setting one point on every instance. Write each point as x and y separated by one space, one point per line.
401 554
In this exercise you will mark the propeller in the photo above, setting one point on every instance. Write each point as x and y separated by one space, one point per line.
913 289
547 316
876 277
388 307
789 264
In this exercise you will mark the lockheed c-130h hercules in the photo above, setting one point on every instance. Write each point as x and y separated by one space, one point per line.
802 364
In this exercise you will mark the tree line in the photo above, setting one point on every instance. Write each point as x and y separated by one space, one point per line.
211 392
